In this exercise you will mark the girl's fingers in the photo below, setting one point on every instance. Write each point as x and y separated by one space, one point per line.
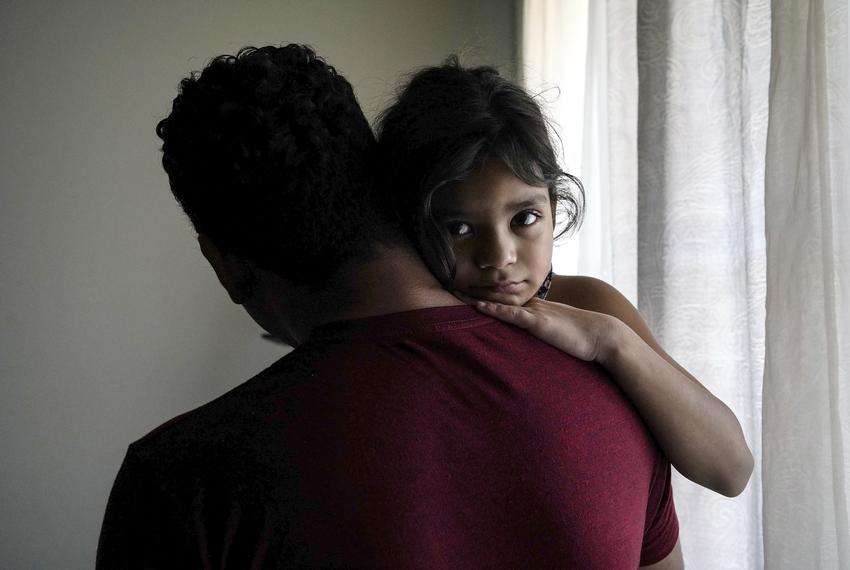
519 316
508 313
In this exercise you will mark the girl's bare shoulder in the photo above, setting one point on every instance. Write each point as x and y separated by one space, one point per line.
588 293
593 294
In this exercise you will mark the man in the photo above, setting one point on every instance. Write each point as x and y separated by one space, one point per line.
405 430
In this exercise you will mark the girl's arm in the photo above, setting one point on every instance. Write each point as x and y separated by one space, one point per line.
591 320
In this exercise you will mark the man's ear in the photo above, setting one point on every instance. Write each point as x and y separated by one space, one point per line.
233 273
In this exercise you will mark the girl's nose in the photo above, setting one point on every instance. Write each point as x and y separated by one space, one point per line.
495 252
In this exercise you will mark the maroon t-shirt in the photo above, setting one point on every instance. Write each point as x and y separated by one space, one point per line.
436 438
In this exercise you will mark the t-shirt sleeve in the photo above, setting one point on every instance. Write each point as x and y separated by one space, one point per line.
661 530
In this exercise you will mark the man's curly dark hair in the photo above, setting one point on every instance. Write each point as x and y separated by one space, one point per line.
270 155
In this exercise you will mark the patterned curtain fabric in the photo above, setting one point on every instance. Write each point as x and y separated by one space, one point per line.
703 72
807 370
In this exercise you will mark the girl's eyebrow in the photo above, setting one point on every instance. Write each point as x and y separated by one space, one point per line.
536 200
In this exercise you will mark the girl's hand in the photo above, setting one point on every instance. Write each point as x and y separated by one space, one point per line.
698 432
579 333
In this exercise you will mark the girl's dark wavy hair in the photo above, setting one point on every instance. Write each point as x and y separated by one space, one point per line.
445 124
269 153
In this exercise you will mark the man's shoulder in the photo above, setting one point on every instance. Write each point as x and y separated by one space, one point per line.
185 435
221 422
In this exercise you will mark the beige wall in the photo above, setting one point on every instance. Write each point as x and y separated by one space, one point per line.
110 321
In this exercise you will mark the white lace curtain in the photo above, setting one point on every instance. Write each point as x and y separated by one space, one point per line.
691 123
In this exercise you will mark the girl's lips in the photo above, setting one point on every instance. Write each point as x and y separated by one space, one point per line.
504 287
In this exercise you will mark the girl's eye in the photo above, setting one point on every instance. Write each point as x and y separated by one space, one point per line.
526 218
458 229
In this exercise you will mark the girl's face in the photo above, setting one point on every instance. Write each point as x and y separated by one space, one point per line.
502 231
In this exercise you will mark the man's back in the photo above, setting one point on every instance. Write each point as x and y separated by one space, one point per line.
428 439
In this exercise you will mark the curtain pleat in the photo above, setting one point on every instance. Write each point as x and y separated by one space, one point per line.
807 369
702 108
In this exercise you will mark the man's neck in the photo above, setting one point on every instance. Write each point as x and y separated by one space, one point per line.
392 281
395 280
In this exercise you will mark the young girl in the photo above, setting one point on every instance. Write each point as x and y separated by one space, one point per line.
471 175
